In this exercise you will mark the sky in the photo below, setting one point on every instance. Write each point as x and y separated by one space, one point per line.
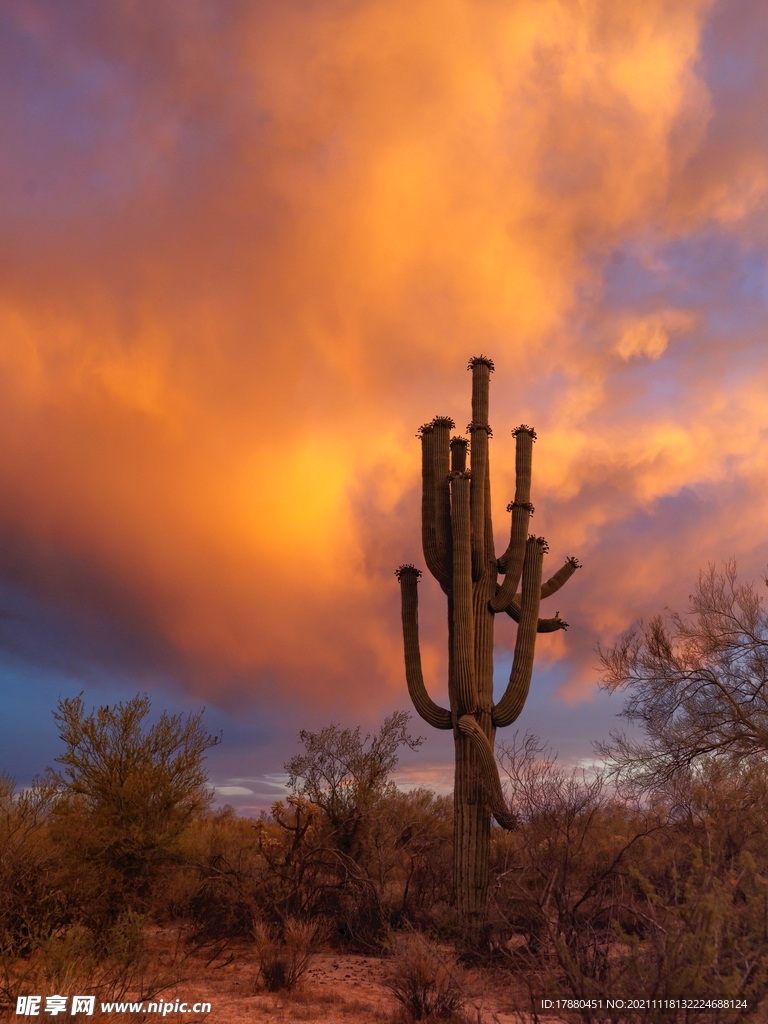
247 248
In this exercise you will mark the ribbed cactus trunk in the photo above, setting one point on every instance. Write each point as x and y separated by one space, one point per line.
457 539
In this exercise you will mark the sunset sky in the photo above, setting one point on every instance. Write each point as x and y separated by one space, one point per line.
248 248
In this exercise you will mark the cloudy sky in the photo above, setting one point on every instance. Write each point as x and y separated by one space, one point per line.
246 248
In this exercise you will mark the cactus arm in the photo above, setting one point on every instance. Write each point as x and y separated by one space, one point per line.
428 540
560 578
463 620
550 625
553 584
524 437
511 704
408 575
514 556
489 772
441 435
435 553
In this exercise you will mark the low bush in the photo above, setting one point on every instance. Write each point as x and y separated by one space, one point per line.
426 982
283 955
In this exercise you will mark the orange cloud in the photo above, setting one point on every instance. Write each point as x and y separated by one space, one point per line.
261 256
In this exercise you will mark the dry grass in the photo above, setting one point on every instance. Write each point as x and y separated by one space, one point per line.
283 959
426 981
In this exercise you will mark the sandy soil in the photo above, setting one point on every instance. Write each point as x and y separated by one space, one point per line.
337 989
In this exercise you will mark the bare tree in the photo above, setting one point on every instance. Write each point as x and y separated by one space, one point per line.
696 685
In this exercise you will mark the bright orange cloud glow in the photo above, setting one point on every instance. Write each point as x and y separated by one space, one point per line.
260 255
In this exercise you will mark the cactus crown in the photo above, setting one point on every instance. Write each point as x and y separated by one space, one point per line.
407 569
459 440
540 541
524 429
521 504
425 428
479 426
480 361
573 561
443 421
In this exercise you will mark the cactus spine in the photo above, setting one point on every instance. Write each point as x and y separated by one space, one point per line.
457 539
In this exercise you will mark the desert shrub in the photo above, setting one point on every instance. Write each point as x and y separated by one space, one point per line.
307 876
406 851
74 959
350 905
602 897
217 889
283 954
343 774
354 849
126 794
84 852
424 980
46 942
705 887
695 686
32 905
421 848
239 871
561 879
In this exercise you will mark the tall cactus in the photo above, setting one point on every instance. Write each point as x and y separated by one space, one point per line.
457 538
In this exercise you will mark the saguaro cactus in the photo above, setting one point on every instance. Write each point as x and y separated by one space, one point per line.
457 538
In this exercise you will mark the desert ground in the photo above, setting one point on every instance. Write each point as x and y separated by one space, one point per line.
337 989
